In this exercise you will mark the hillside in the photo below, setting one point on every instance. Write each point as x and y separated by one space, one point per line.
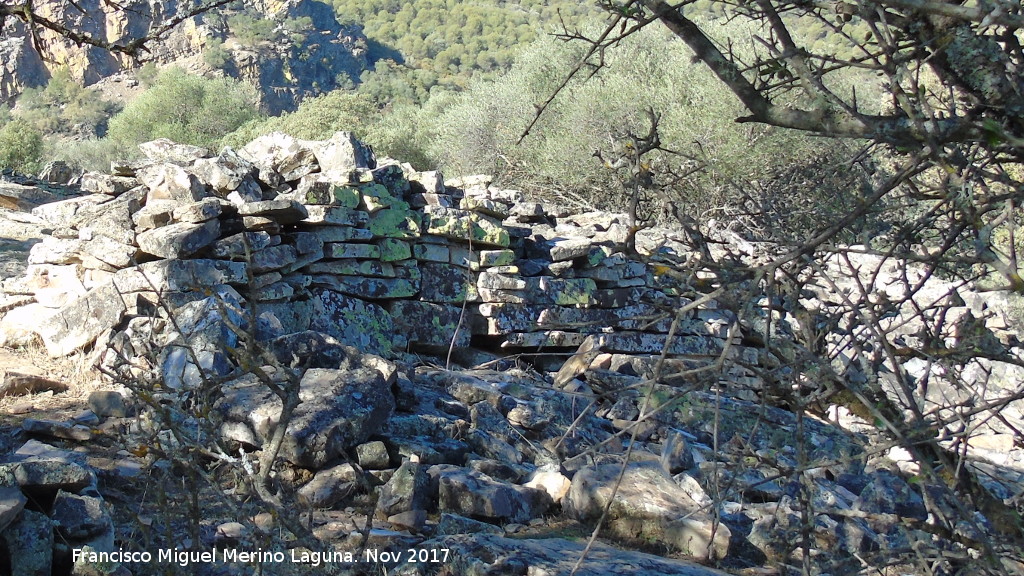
289 50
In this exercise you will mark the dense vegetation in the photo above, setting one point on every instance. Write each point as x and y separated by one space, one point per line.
429 42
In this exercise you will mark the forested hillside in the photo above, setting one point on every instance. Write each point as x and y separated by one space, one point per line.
417 45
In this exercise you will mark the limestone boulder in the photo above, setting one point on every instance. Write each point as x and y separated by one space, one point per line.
648 505
82 320
179 240
224 173
338 409
284 154
166 150
407 490
476 495
342 152
171 182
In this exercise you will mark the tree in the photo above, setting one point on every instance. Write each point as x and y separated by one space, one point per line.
951 137
186 108
21 147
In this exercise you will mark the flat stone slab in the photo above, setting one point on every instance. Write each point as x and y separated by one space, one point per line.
178 240
478 553
80 322
25 198
179 275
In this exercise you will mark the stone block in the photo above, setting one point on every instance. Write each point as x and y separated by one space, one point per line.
166 150
354 322
171 182
96 183
401 223
81 321
280 211
225 173
372 268
490 258
463 225
568 249
338 410
484 206
647 505
179 275
108 251
429 324
392 250
431 253
55 251
328 234
206 209
359 251
368 288
273 258
240 246
338 215
178 240
344 152
446 284
319 188
281 153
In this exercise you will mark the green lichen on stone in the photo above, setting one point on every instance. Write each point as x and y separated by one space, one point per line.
490 258
347 196
354 322
393 250
396 223
378 197
597 255
466 226
572 292
487 231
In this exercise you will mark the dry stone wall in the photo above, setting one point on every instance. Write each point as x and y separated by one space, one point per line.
302 235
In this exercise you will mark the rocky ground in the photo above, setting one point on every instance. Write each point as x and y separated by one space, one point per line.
306 283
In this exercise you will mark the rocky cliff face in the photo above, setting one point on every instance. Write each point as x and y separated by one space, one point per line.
286 68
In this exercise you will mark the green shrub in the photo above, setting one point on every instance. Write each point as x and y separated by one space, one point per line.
478 130
186 108
93 154
250 31
215 55
64 106
21 147
147 74
454 38
315 119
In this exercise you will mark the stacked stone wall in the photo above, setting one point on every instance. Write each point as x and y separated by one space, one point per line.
307 235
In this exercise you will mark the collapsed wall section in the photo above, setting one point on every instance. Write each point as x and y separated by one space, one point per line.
299 235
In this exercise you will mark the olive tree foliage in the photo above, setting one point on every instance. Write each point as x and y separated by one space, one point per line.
878 330
478 130
186 108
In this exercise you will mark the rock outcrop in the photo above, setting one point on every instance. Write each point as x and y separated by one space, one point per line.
286 67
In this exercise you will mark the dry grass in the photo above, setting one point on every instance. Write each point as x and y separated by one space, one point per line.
75 371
